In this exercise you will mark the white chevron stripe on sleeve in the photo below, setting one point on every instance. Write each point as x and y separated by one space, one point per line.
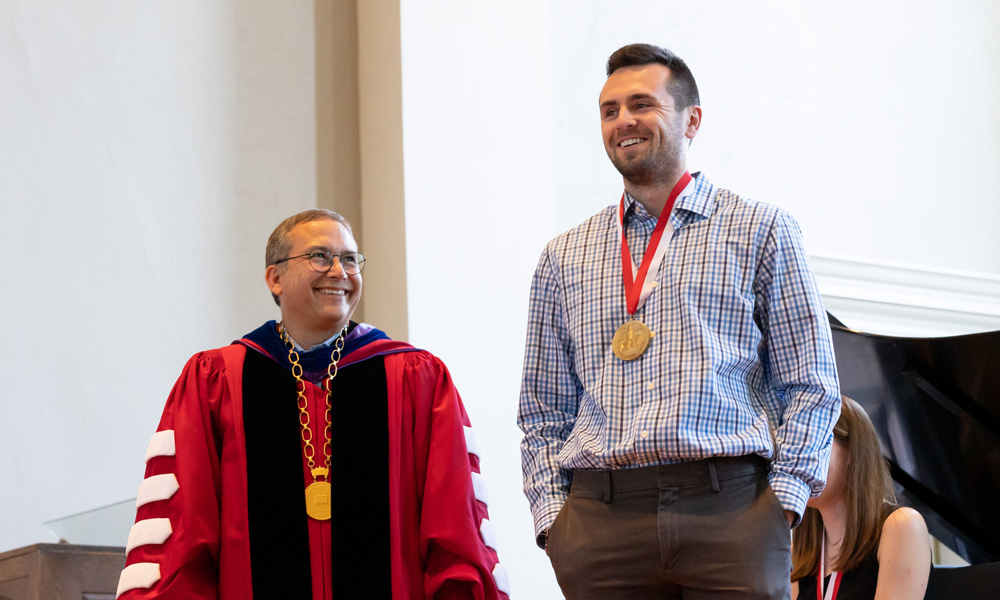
139 575
157 487
479 487
161 444
500 577
489 534
472 443
148 531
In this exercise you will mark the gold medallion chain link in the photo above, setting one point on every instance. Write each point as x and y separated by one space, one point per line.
308 450
331 372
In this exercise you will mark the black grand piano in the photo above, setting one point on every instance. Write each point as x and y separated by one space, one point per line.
935 403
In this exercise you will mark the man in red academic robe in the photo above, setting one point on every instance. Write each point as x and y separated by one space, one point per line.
314 457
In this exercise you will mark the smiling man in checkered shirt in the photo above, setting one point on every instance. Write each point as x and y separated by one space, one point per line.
679 385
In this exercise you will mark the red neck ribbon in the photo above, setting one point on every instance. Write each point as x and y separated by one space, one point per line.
633 291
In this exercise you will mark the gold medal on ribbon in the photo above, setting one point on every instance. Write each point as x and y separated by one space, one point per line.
631 340
318 500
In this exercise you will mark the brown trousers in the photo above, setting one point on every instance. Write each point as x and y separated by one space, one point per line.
704 529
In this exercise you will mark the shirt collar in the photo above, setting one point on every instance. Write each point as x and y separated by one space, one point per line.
317 346
697 198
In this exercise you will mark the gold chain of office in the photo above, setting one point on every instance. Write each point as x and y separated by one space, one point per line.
317 493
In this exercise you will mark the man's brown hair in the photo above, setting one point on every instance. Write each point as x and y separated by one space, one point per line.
682 86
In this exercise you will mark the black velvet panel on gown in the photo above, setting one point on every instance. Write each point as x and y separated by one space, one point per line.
279 542
360 476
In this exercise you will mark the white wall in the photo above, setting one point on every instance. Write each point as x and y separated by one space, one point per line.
874 125
478 145
146 152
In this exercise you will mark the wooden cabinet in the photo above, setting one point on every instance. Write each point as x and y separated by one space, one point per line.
61 572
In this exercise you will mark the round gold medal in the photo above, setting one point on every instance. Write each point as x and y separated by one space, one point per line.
631 340
318 500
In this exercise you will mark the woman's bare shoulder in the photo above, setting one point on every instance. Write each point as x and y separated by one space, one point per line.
904 556
905 523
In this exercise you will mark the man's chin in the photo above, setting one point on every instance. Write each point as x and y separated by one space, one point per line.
643 170
634 172
630 165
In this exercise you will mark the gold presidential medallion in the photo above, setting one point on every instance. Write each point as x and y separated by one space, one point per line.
631 340
318 500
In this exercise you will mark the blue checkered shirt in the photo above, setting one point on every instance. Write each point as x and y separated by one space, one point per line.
741 361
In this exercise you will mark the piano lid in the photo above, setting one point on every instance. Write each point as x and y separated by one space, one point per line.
935 403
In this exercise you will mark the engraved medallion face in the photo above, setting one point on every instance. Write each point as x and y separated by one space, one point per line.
318 501
631 340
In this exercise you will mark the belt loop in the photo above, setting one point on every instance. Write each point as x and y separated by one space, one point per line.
607 486
715 476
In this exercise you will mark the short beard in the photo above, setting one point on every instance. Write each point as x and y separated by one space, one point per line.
649 169
660 164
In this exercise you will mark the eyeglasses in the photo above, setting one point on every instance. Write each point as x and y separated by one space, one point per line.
322 261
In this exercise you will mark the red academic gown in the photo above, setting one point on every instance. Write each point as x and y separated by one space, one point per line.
191 537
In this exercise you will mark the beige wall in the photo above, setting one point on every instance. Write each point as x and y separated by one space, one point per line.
338 160
381 146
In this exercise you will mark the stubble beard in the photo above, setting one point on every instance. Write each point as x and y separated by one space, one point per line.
658 164
650 168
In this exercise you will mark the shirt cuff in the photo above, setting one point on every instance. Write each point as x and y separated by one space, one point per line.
792 493
544 518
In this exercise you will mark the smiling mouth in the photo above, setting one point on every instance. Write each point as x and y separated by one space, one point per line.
630 142
331 292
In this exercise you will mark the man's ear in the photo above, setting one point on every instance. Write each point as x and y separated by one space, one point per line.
272 276
693 121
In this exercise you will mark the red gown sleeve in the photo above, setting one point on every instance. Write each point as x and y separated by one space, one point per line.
173 549
456 538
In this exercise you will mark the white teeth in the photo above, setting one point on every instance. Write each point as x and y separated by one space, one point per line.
333 292
629 142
